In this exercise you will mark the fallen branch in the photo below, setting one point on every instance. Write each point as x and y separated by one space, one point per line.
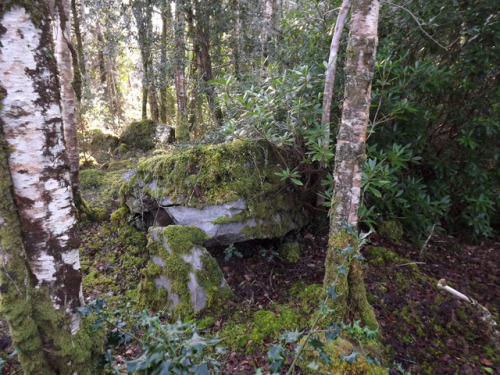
486 315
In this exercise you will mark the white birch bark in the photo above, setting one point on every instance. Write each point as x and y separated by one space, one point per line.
68 100
349 159
350 148
331 68
38 162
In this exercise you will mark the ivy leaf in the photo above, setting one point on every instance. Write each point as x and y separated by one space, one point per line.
342 270
332 333
202 369
351 358
332 292
358 256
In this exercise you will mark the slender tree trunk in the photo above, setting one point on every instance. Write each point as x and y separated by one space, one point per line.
64 62
165 17
182 127
39 259
84 41
267 32
202 39
153 104
79 40
332 66
349 159
236 38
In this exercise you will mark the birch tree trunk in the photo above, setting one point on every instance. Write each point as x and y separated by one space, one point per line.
68 100
349 159
40 277
331 69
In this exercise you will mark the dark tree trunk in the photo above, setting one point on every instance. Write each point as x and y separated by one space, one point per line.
182 128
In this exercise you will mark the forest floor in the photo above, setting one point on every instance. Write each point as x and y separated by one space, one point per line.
425 330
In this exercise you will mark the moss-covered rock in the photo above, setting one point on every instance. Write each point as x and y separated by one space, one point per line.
231 191
290 252
139 135
181 275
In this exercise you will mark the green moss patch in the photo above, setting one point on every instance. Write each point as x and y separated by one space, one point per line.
290 252
139 135
218 174
168 275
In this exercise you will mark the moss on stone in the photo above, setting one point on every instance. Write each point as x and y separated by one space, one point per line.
217 174
290 252
119 216
139 135
181 241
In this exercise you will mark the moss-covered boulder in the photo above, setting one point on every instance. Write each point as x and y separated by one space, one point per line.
230 191
144 135
181 276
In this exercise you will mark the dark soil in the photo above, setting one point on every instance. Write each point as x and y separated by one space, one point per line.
424 329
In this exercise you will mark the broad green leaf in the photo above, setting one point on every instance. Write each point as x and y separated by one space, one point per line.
332 293
332 332
351 358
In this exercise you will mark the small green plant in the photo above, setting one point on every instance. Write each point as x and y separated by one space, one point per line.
230 251
166 347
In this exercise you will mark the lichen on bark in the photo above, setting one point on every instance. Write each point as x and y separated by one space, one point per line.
349 159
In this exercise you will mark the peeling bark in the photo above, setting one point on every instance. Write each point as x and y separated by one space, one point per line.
40 277
68 100
349 159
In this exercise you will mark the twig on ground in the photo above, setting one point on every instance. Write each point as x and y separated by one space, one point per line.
426 242
486 315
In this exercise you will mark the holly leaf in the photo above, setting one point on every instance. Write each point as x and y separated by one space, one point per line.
316 343
291 336
371 359
275 353
332 292
332 333
325 358
351 358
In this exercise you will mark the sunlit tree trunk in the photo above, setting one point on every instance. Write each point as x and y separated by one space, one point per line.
349 159
182 127
331 68
79 39
40 277
236 38
165 18
64 63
